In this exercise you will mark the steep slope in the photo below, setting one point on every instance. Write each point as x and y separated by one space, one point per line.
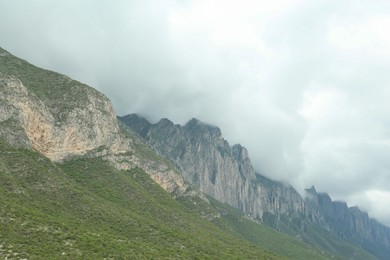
351 223
62 118
225 173
85 208
94 198
208 162
52 113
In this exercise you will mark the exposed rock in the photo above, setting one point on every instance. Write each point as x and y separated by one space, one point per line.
167 177
84 128
208 162
61 118
350 223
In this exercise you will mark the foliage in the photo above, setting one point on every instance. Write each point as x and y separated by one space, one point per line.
86 209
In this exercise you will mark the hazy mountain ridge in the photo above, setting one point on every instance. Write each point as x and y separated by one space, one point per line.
351 223
208 162
225 173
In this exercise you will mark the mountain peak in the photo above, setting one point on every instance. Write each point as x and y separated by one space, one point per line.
194 121
134 115
165 122
197 126
311 190
140 124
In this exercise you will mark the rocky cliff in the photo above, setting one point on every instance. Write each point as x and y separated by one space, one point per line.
225 172
62 118
208 162
350 223
51 113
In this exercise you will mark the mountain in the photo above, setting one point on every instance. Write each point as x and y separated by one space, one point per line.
61 118
208 162
51 113
224 172
75 183
86 209
351 223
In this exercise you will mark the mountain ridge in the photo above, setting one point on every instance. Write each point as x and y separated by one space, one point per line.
99 201
75 126
62 118
201 154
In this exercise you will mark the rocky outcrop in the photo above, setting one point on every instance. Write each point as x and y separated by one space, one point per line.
61 118
350 223
225 172
83 128
208 162
53 114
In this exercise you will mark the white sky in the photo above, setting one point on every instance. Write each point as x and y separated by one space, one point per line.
304 85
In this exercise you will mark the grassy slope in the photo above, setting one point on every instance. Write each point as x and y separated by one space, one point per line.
234 221
318 237
317 241
86 209
59 92
45 84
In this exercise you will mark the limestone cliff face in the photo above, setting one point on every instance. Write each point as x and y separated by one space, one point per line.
51 113
207 161
82 129
60 118
350 223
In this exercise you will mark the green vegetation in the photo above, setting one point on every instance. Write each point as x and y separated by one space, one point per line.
331 243
87 209
232 220
59 92
44 83
318 239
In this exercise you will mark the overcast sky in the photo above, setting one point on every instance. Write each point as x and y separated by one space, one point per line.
304 85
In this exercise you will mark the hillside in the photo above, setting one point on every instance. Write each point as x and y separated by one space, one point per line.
51 113
85 208
74 185
224 172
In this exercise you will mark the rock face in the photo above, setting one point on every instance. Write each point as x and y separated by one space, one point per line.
54 115
82 129
208 162
350 223
225 172
60 118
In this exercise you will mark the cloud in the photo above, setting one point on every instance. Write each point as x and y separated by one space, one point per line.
304 85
